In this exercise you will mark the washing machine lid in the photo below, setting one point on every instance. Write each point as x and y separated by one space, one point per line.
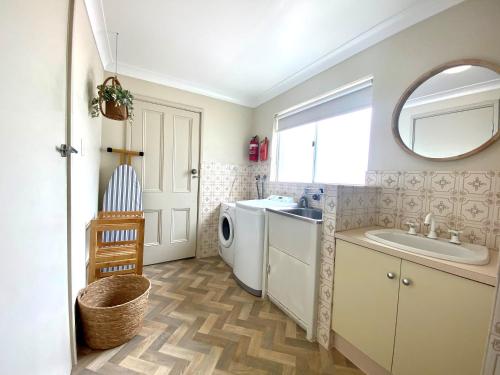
274 201
226 230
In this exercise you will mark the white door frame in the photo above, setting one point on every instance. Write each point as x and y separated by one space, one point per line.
69 63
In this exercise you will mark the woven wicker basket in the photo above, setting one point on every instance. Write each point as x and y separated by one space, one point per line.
112 309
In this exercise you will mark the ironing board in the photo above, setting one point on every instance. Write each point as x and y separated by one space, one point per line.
122 194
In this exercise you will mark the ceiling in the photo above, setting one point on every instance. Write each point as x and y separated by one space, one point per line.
244 51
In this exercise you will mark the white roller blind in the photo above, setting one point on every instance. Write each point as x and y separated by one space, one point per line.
349 100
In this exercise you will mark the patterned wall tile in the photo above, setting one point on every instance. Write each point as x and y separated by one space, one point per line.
324 312
441 206
474 234
412 203
466 200
388 200
476 210
328 248
329 224
390 179
443 183
477 183
414 181
326 270
330 205
372 178
387 218
219 183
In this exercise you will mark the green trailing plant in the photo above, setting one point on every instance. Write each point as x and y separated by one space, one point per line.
112 93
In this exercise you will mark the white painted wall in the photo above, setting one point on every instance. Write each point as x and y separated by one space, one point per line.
34 325
87 73
470 29
226 127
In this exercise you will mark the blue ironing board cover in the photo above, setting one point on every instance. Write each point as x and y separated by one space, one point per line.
122 194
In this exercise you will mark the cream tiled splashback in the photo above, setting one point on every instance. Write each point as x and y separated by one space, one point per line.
466 200
218 183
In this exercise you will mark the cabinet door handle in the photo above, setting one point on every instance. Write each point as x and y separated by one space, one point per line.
391 275
406 281
268 269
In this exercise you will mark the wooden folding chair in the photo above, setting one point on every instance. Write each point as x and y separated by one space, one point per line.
117 257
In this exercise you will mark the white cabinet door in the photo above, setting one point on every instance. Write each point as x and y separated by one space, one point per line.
287 282
365 300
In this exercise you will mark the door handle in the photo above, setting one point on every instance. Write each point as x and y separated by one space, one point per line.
66 150
194 173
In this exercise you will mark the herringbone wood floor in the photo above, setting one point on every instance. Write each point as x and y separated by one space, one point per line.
200 321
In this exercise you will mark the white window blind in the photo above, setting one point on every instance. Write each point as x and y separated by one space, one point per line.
351 99
325 140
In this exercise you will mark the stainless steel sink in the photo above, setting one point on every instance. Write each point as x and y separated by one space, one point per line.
314 215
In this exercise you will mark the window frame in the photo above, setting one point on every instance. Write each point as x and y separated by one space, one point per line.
276 148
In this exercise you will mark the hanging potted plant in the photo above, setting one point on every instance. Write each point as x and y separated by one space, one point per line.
117 102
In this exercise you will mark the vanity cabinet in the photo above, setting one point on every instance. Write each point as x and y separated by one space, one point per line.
409 318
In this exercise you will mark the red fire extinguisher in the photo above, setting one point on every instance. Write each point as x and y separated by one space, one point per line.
253 149
264 145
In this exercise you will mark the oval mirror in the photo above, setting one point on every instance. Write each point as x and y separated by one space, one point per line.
450 112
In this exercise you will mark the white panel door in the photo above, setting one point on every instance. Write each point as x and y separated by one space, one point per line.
170 139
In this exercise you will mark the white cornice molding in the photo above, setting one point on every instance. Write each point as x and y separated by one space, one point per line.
95 11
148 75
422 10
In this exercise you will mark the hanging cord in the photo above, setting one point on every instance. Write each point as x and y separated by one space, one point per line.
257 180
116 54
232 185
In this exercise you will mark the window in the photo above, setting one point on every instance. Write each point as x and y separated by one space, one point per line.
296 154
326 142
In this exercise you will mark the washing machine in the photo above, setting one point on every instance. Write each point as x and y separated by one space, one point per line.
250 240
226 232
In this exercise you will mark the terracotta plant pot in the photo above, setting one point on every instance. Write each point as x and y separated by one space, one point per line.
116 112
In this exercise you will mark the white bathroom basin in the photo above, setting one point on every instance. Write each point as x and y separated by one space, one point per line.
440 248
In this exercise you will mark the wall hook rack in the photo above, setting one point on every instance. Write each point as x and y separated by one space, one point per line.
125 155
